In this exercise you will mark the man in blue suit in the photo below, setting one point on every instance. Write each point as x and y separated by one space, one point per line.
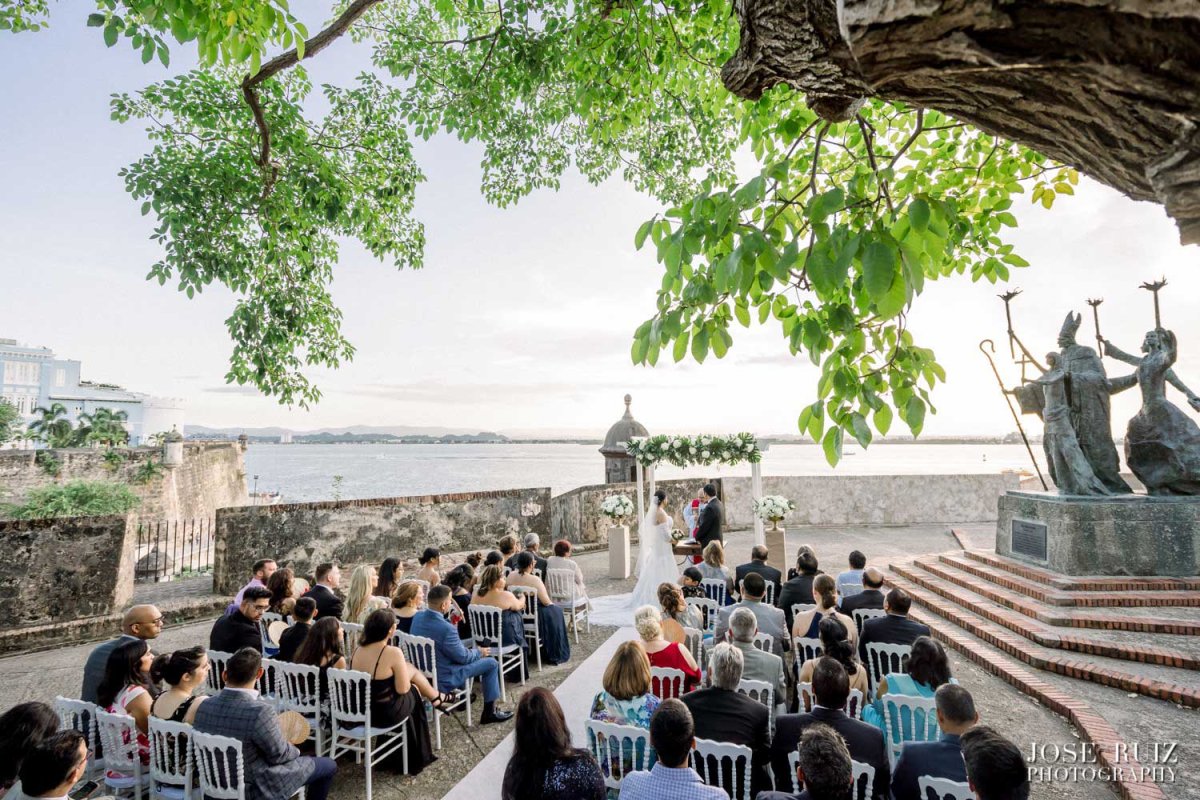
455 662
943 758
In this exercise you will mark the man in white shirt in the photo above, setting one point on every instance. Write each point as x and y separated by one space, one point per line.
54 766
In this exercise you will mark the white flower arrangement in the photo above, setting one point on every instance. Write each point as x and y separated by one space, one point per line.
617 507
773 508
706 449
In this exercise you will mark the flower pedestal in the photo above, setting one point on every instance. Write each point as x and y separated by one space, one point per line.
618 552
777 552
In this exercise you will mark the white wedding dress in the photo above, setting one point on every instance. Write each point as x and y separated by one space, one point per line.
655 565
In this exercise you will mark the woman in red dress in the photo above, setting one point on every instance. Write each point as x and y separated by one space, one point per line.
663 653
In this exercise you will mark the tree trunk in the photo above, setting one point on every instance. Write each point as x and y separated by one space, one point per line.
1111 87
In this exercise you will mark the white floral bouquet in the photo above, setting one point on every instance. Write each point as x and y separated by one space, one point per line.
617 507
773 508
676 536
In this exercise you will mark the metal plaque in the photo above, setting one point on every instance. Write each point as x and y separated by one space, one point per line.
1029 538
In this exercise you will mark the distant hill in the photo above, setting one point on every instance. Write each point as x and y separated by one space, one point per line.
360 434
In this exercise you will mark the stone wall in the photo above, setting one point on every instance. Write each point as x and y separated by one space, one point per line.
58 570
576 517
353 532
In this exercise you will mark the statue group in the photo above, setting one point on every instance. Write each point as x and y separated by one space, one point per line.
1162 443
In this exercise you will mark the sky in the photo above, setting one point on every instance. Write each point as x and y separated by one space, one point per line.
522 318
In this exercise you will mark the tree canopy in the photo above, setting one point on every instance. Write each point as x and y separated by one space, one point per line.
772 214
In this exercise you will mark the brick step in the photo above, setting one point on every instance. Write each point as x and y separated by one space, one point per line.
1056 616
1093 727
1017 646
1041 634
1087 583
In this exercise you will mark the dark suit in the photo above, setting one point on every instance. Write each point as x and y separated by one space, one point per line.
867 598
804 795
290 641
940 759
769 574
234 631
730 716
863 740
798 589
93 670
708 529
328 603
892 629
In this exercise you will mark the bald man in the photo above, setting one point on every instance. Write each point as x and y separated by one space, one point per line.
870 597
139 622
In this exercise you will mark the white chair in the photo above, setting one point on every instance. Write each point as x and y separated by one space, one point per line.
528 596
351 631
944 789
487 627
800 608
608 740
709 759
715 589
883 659
763 692
300 691
667 682
421 652
804 649
220 767
80 715
424 584
270 646
708 609
765 642
118 737
215 681
172 771
560 584
693 640
353 732
861 615
862 789
853 707
908 719
537 573
270 685
768 598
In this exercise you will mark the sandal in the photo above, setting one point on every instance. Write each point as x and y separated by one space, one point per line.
444 699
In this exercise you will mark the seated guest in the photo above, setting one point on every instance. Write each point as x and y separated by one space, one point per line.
807 625
507 547
139 622
126 688
430 560
54 765
758 565
895 628
926 670
544 765
455 662
996 769
871 595
757 665
824 768
293 637
713 568
241 629
408 600
473 560
724 714
389 578
850 582
943 758
184 671
282 586
323 647
562 560
626 699
274 769
491 591
770 619
835 643
329 577
831 687
799 586
397 689
461 581
261 572
552 624
689 583
22 728
361 599
672 737
676 614
660 652
494 557
532 542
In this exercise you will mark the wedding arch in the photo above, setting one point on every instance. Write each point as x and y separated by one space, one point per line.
702 450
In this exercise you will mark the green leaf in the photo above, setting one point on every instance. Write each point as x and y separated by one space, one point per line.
918 214
914 414
879 269
894 300
95 20
110 34
832 445
825 204
827 276
640 345
700 344
883 419
860 429
742 313
640 237
681 347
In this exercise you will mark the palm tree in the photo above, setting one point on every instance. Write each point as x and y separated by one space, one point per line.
51 426
104 426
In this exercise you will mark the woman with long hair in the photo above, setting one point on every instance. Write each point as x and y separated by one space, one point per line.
22 728
492 590
928 668
713 566
836 643
282 585
676 613
824 592
408 600
626 699
323 647
389 578
185 672
461 581
552 625
544 764
361 599
647 620
126 689
429 561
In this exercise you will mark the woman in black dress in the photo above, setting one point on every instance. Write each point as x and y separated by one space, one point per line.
461 580
544 765
324 647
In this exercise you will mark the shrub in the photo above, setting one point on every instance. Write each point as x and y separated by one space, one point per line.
77 499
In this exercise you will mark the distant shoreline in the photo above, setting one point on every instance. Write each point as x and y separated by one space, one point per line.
597 442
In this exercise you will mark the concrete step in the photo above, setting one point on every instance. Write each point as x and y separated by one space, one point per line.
1093 583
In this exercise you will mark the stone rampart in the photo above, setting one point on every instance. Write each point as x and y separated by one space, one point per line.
352 532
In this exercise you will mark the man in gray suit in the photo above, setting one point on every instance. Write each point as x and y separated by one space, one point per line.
275 770
139 622
770 619
759 665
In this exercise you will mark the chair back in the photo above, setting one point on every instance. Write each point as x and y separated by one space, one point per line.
715 589
768 598
269 685
351 631
724 765
528 596
805 649
764 642
215 681
78 715
709 609
943 788
800 608
171 754
560 583
421 652
486 624
422 582
537 573
884 659
350 695
666 682
610 743
861 615
908 718
219 765
864 776
118 737
853 707
299 687
693 640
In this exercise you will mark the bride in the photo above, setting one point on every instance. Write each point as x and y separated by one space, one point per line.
655 565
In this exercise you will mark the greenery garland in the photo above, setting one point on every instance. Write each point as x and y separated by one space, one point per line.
705 449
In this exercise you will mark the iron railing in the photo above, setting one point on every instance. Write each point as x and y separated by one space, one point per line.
173 548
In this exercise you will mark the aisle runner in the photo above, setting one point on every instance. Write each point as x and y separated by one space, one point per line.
575 694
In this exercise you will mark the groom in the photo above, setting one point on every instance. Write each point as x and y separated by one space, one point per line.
709 529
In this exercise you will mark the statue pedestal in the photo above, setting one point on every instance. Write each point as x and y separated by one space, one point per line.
618 552
776 542
1133 535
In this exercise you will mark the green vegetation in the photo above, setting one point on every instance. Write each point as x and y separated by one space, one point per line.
10 422
76 499
147 471
48 462
113 459
830 234
51 427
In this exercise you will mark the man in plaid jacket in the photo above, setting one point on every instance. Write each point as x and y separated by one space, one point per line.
275 770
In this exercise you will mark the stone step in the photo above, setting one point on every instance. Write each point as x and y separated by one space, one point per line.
1041 634
1093 583
1023 649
